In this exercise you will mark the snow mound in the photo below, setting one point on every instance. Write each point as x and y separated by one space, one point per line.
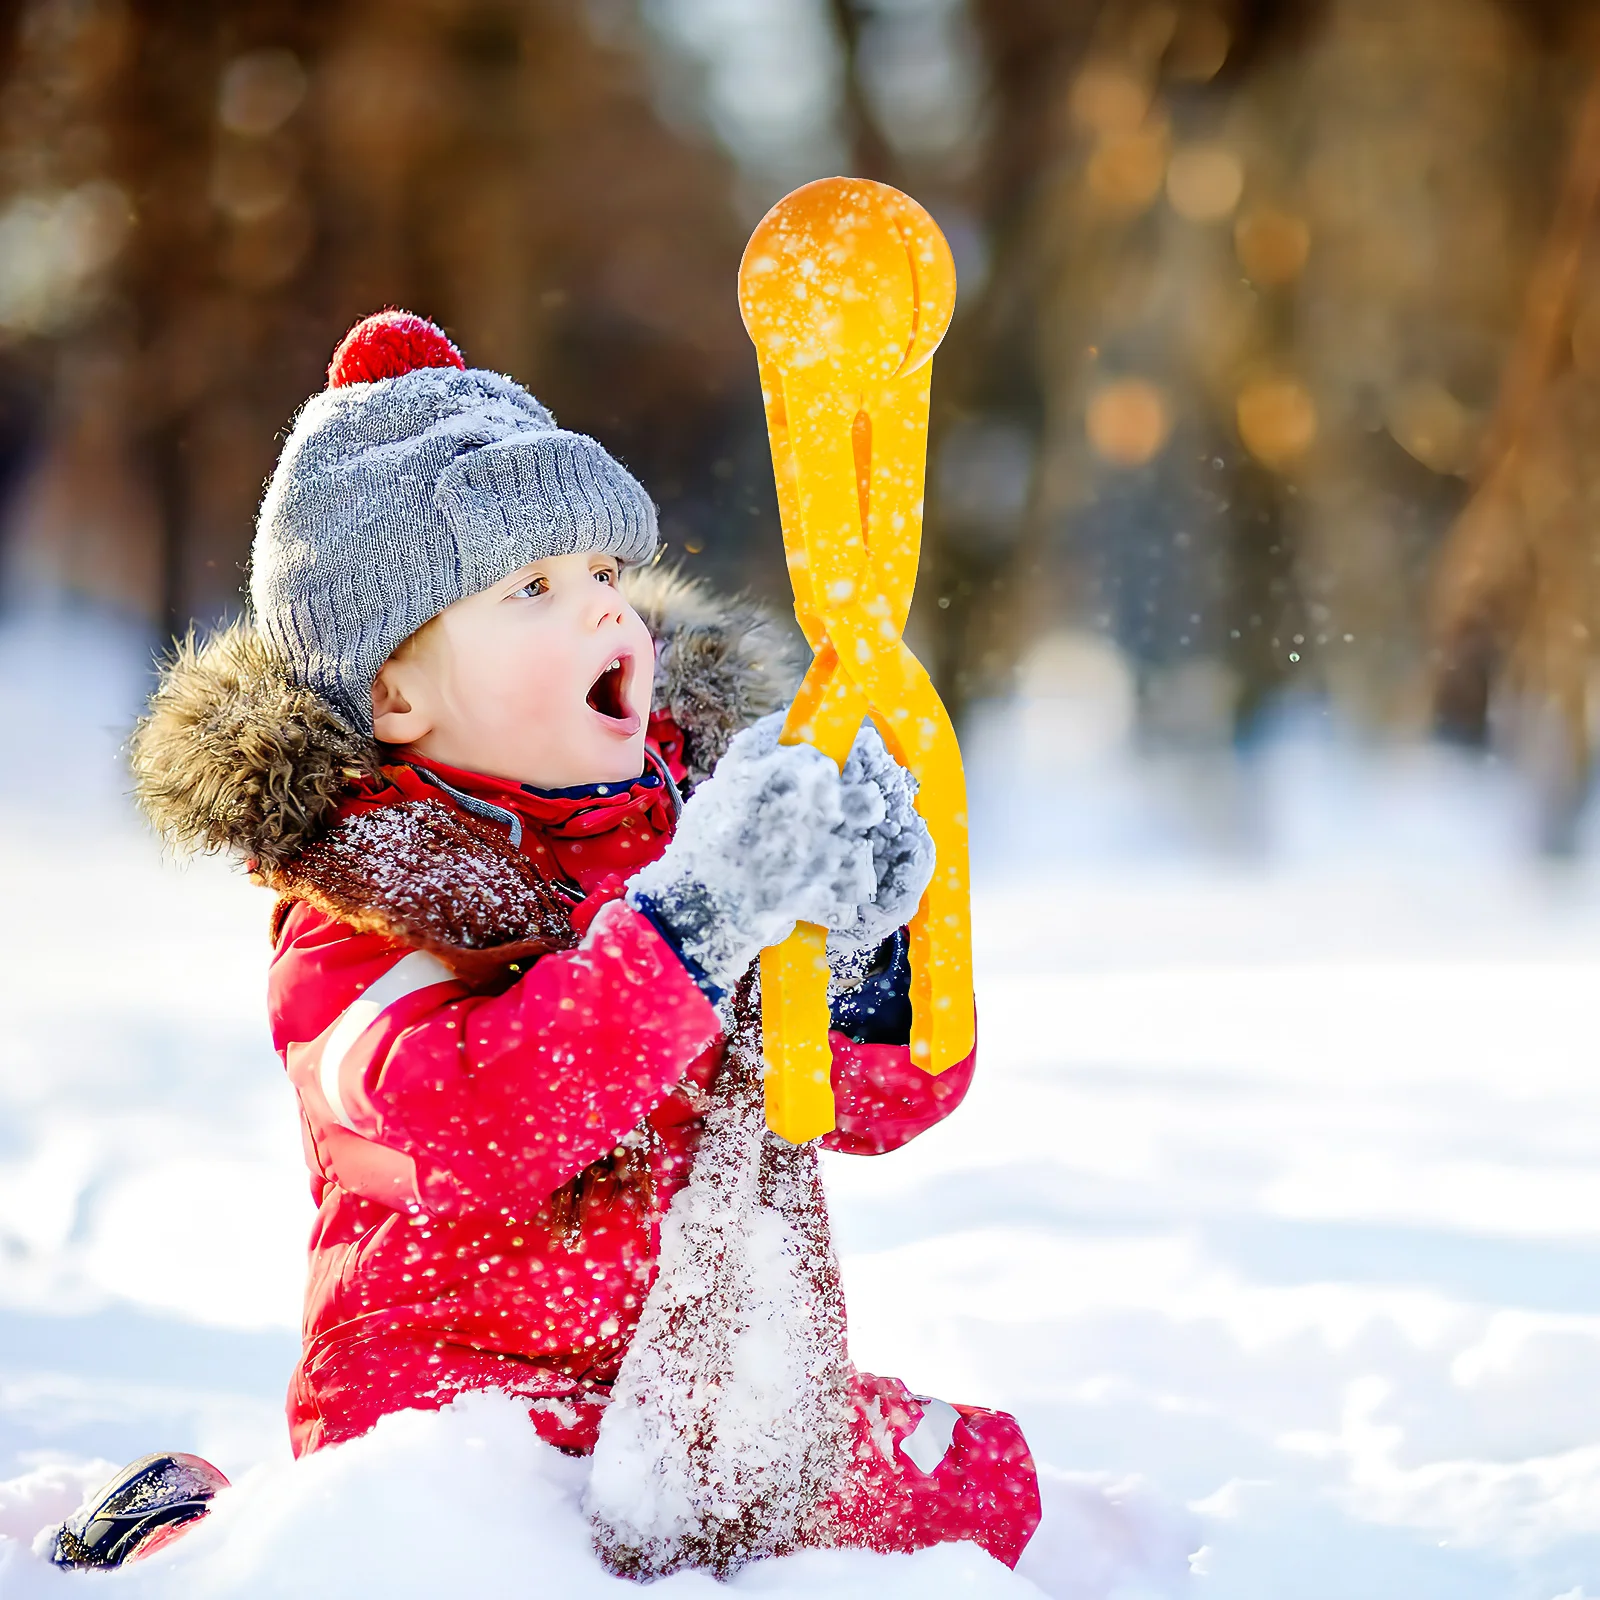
1101 1539
47 1495
470 1501
465 1501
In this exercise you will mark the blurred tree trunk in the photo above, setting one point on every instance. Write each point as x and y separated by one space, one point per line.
1515 603
1073 161
871 155
286 167
984 588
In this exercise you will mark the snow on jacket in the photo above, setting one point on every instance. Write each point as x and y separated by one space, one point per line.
448 1117
501 1068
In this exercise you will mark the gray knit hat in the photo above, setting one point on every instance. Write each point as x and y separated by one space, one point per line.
409 483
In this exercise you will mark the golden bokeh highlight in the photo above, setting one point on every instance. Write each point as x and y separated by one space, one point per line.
1277 420
1204 182
1124 173
1129 422
1432 426
1272 246
1108 101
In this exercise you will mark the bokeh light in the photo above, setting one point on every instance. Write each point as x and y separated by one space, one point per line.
1430 424
1125 171
1272 245
1204 182
1277 420
1129 421
260 92
1108 101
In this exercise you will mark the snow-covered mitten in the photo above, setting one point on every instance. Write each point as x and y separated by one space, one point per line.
775 836
902 848
726 1434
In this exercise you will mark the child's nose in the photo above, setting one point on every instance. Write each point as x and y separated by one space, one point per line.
605 606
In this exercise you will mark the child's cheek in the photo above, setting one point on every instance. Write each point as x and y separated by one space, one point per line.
535 671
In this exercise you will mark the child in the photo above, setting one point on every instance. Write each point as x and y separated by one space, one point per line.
453 739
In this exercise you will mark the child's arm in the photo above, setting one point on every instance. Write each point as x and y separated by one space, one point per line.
423 1096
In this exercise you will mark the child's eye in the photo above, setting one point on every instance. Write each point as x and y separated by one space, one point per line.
532 588
604 575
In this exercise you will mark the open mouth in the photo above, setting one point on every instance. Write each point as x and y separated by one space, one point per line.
608 695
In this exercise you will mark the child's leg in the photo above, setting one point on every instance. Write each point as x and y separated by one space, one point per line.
924 1472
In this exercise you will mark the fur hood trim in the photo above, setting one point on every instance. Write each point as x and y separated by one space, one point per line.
233 756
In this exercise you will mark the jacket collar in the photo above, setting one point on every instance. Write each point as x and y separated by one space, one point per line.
583 811
586 842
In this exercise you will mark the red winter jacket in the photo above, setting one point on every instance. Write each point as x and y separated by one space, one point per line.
443 1124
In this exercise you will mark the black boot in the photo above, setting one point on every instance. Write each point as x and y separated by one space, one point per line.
121 1518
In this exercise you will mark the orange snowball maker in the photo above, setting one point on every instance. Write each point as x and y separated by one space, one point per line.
846 288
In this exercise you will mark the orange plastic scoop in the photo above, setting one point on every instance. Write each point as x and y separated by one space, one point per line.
846 288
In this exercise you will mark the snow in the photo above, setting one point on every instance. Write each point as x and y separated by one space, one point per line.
469 1502
1272 1213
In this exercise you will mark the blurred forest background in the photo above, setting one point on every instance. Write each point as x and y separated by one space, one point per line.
1276 365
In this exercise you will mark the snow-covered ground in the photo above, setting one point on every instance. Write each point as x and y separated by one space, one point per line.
1274 1215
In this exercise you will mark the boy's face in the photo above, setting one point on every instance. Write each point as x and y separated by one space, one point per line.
544 679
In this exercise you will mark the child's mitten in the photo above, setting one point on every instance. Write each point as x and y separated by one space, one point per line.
902 849
775 836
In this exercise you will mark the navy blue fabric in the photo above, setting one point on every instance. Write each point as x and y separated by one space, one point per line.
878 1010
646 908
594 791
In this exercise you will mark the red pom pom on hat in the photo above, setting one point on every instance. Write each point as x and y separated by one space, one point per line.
389 345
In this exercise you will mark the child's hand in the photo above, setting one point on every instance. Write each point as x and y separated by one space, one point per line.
777 835
902 849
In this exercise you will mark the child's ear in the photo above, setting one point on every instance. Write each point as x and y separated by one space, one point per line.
396 719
